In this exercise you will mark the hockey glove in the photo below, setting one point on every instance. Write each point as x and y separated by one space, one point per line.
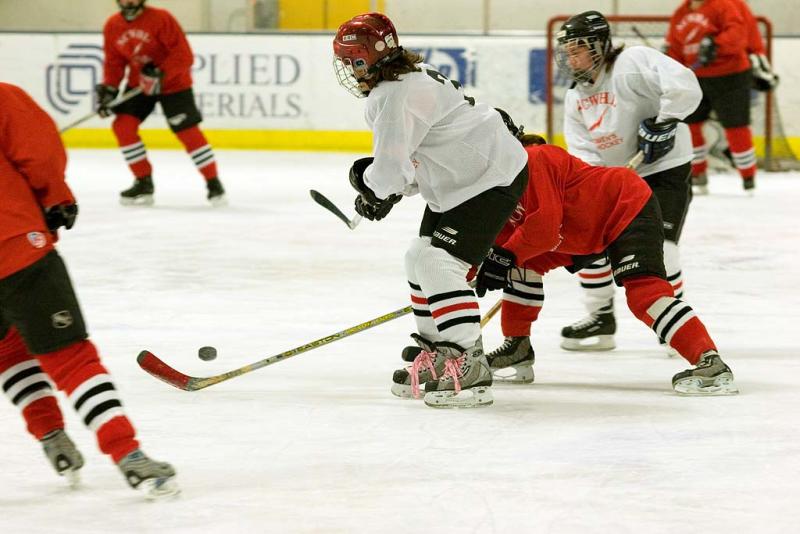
61 215
656 139
763 77
493 272
105 95
368 205
150 79
707 52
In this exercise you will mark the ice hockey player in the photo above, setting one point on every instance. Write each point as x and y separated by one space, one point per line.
429 138
712 38
42 332
152 45
624 100
570 213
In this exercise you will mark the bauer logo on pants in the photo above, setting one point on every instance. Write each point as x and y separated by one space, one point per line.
62 319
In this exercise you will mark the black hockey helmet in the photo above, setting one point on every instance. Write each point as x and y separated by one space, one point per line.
130 11
585 32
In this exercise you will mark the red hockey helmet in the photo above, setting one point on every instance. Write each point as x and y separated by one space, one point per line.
361 47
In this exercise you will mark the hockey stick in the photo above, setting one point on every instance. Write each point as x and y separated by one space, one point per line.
323 201
635 161
123 98
156 367
491 313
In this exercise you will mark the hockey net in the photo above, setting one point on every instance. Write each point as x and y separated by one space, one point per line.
772 147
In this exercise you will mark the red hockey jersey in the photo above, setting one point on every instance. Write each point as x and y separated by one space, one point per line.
153 37
570 208
32 164
721 19
755 44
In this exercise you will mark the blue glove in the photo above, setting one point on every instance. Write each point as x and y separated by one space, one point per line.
656 139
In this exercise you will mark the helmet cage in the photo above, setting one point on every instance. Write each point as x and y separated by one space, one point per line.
362 46
596 46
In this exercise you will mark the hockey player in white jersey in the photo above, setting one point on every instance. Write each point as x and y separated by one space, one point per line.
624 100
429 138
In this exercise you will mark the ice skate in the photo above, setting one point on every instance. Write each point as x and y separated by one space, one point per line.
700 184
595 332
427 365
63 455
410 353
467 379
709 377
512 362
216 193
749 185
155 479
139 194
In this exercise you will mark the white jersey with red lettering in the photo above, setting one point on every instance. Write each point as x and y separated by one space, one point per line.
601 120
429 138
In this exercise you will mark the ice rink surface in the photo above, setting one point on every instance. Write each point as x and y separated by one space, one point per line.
318 444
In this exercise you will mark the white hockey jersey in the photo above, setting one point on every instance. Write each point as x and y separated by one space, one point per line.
429 139
601 120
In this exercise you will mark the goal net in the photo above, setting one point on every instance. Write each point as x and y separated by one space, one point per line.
772 147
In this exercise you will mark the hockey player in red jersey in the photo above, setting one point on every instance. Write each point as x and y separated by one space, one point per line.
764 79
571 214
42 333
712 38
152 45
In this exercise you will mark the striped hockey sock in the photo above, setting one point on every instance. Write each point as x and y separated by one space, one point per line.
126 129
740 141
522 302
77 371
700 149
199 150
598 286
27 387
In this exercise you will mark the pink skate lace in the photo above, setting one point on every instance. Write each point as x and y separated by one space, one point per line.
422 361
452 368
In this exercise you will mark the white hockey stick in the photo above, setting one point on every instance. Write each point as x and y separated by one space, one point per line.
635 161
323 201
123 98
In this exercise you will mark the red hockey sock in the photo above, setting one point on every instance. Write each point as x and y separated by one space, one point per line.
740 140
516 319
77 371
699 161
27 387
200 151
126 128
651 301
522 302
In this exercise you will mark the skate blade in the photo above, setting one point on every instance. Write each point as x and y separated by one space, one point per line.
159 488
693 387
73 477
141 200
218 201
466 398
593 343
515 374
403 391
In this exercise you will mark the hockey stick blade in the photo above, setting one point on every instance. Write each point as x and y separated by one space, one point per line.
161 370
323 201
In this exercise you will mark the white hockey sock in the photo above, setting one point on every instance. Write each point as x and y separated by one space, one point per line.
598 285
672 264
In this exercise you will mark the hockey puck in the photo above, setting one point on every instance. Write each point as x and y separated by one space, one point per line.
207 353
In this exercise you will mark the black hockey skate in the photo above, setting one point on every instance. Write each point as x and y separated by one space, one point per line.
512 362
700 184
467 379
63 455
595 332
155 479
140 193
749 185
216 193
711 376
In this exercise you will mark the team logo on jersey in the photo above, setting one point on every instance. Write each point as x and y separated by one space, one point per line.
71 79
62 319
37 239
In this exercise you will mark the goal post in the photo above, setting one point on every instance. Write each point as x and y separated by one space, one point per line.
772 147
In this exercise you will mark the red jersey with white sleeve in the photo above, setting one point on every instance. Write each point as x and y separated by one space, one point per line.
152 37
570 208
720 19
32 165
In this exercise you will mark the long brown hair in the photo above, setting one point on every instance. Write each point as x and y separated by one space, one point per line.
611 57
405 63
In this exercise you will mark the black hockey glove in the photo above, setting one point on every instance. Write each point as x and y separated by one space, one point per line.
656 139
493 272
368 205
61 215
707 52
150 79
763 77
105 96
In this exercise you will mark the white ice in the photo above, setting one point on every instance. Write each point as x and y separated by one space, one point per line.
318 444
